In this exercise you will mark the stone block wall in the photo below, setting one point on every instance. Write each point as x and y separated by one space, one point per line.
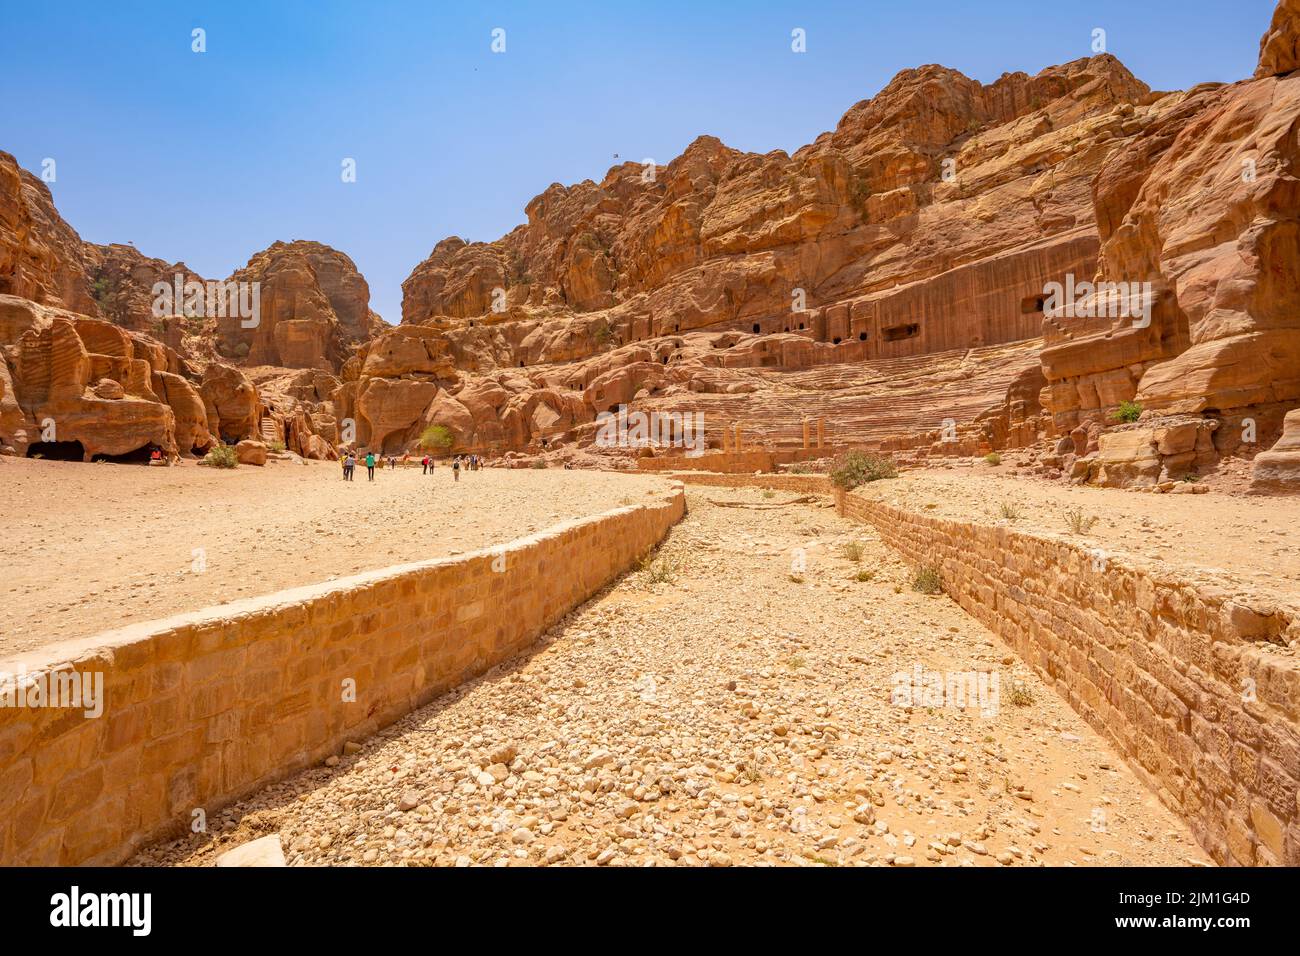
1194 685
203 708
806 484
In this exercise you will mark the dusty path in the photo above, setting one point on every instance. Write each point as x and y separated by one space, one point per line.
732 715
91 547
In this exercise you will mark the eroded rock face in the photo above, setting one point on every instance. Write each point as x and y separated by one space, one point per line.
1277 471
927 222
313 307
77 387
124 280
234 412
40 254
1203 204
1279 48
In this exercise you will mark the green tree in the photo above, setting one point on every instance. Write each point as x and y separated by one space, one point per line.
436 438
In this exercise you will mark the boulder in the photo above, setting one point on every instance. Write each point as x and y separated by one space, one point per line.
251 452
265 851
1277 471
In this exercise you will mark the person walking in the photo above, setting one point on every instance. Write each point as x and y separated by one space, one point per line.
455 467
351 465
370 464
424 465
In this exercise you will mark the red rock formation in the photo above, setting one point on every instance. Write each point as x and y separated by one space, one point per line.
1279 48
124 280
314 306
1205 205
858 248
40 254
77 387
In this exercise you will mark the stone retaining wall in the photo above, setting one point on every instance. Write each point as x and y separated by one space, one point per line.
206 707
807 484
1193 684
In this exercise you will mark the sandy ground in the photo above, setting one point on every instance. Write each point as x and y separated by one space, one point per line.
735 713
88 547
1250 542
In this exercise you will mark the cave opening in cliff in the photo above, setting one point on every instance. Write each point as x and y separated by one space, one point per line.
897 332
756 328
57 450
521 364
1034 303
862 336
137 456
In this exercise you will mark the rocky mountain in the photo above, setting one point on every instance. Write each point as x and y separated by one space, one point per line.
893 279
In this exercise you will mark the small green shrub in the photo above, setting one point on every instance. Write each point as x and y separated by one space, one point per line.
864 575
855 468
1127 412
852 550
992 458
275 447
221 456
540 463
1010 511
927 580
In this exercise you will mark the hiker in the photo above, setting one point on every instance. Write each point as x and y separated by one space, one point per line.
455 467
424 464
370 464
343 460
350 465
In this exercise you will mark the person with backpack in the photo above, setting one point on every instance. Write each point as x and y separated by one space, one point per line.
370 464
455 467
424 465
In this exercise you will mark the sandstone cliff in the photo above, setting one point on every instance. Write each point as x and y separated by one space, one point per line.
40 254
314 304
926 223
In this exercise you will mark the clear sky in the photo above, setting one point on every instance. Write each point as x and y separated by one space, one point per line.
209 157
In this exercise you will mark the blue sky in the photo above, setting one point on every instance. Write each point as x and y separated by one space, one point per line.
210 157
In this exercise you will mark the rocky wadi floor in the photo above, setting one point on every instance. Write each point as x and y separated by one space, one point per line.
90 547
735 711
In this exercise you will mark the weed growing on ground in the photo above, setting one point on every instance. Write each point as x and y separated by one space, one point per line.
927 580
1079 522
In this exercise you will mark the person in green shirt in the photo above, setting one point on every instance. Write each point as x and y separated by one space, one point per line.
370 464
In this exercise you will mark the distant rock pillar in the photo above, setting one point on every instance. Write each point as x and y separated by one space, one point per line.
821 433
740 438
806 432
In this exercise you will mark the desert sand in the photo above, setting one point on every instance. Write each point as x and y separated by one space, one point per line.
89 547
1227 540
